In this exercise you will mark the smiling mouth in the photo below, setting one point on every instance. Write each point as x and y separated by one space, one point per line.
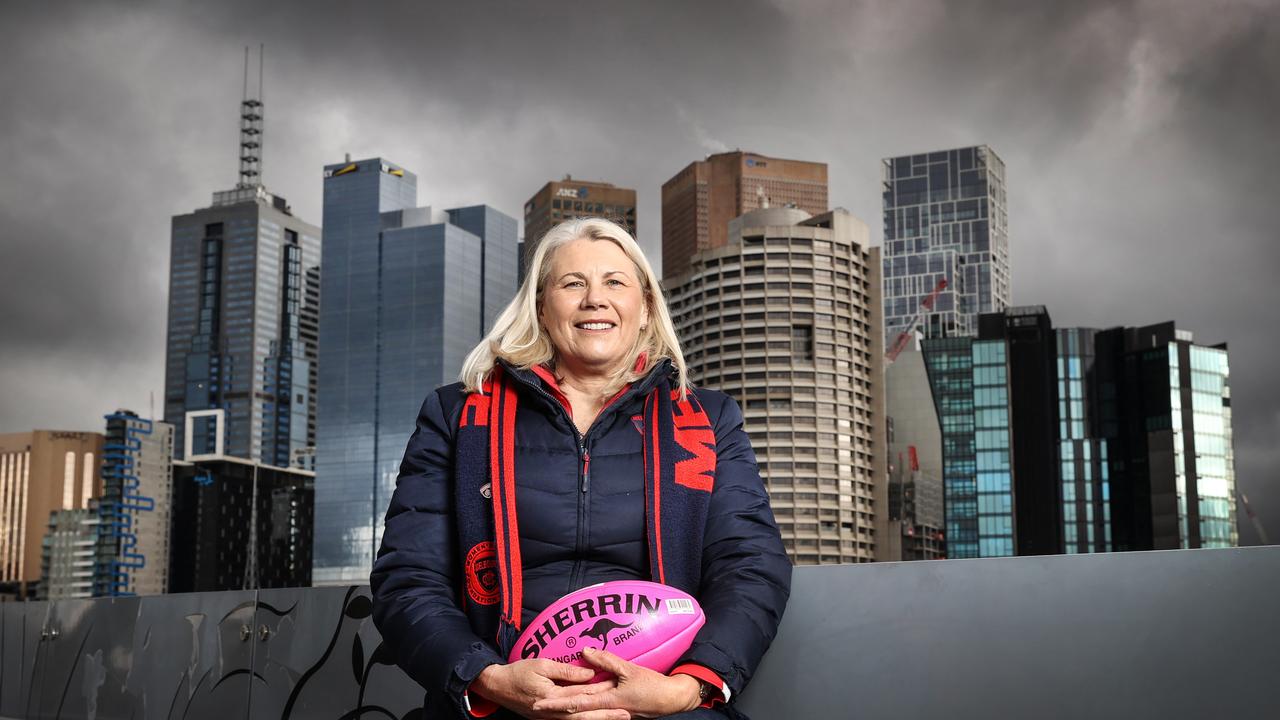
595 326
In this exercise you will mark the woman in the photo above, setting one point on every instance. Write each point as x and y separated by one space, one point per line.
573 452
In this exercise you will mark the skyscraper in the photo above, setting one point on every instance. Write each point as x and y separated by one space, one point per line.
1079 440
944 220
785 317
499 248
561 200
243 312
132 555
1030 349
40 472
963 373
1164 409
996 399
409 291
700 200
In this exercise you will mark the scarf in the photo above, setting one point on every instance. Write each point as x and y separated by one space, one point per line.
679 473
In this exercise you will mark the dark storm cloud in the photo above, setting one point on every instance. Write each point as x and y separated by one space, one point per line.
1138 137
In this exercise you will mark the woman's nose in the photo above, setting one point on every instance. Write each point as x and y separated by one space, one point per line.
594 297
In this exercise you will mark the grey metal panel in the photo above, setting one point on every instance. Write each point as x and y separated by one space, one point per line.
190 658
7 610
80 668
1157 634
156 657
321 649
33 622
12 615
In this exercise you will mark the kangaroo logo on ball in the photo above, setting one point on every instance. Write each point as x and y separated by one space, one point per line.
600 631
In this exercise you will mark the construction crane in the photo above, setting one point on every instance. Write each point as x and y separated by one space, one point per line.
1257 524
904 337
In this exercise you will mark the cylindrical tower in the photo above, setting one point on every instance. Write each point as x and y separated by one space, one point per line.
787 319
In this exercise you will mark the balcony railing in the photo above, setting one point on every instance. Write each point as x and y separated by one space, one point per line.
1182 634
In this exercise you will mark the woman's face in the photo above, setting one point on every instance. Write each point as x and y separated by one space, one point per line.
593 305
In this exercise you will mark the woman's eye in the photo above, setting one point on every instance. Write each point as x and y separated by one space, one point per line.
615 282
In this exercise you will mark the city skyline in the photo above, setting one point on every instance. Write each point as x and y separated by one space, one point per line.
1137 134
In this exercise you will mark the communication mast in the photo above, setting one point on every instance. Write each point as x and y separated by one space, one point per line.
251 111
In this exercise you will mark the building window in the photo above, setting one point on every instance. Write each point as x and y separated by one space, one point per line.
69 481
802 342
86 483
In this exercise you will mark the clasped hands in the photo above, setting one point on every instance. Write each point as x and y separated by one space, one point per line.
529 688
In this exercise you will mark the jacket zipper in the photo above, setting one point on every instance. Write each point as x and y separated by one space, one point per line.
584 477
575 575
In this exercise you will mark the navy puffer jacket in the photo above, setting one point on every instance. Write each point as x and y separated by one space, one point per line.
573 533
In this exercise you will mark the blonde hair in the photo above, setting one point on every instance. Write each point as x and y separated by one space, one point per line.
518 338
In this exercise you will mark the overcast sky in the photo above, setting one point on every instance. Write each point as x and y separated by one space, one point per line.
1140 141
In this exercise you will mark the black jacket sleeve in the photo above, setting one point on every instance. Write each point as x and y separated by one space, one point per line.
416 577
746 574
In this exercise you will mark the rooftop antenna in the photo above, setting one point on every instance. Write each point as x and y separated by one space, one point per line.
251 128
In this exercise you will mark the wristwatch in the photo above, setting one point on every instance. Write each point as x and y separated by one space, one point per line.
704 690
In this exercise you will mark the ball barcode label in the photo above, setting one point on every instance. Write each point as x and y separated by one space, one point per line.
679 606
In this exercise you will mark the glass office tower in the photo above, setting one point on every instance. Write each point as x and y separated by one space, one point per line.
1032 426
1082 453
944 219
409 292
996 400
993 462
1078 440
970 389
1210 427
950 365
243 309
1165 412
500 249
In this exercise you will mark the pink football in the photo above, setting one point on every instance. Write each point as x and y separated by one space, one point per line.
647 623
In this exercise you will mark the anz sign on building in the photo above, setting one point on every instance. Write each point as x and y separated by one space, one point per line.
567 192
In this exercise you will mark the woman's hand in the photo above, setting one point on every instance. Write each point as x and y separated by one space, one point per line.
638 690
522 684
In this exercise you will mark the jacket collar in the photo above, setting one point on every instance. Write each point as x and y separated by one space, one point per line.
529 379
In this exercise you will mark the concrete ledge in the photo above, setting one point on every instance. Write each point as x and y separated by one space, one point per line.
1176 634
